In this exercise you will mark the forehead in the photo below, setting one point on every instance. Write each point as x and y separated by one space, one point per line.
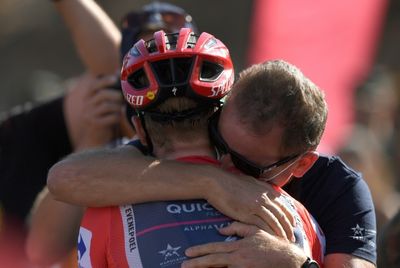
260 149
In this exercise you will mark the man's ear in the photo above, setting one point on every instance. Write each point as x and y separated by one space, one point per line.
305 163
139 129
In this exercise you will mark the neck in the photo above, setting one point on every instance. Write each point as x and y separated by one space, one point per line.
198 148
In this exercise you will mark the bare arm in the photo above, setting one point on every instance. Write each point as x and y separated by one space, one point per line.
259 248
88 178
53 231
54 227
93 178
96 37
345 261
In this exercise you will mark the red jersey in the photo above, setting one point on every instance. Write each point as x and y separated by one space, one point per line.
156 234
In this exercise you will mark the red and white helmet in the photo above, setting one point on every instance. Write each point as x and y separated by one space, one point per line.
179 64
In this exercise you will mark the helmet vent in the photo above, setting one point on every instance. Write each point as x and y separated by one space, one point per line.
134 51
173 71
191 43
138 79
151 46
182 68
210 71
172 40
162 69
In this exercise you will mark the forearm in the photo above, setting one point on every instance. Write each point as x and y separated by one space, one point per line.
94 34
346 261
123 175
292 257
53 231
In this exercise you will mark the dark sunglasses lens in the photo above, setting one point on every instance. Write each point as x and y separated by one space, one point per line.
169 20
174 20
244 166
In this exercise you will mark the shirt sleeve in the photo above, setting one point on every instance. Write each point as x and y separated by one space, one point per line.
93 239
32 139
341 202
352 227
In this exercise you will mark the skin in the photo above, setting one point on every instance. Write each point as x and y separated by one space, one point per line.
45 230
93 113
93 33
255 250
80 173
251 251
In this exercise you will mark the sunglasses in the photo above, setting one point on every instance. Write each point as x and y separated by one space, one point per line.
240 162
167 20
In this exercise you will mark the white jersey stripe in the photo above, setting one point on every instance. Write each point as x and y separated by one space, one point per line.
131 246
320 235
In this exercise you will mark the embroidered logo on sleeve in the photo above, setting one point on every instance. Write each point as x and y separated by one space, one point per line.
365 235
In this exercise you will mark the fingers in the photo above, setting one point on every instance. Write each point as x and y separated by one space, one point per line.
239 229
106 95
260 223
276 214
95 84
106 121
289 220
213 260
210 248
104 108
277 220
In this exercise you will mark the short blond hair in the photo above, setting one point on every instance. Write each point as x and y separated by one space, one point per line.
165 134
277 93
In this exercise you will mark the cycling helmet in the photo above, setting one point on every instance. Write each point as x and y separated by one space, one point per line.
179 64
153 17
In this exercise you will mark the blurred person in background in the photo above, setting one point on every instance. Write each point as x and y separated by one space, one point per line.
371 146
88 115
40 136
389 243
92 108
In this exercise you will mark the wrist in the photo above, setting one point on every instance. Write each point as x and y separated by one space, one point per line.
293 256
